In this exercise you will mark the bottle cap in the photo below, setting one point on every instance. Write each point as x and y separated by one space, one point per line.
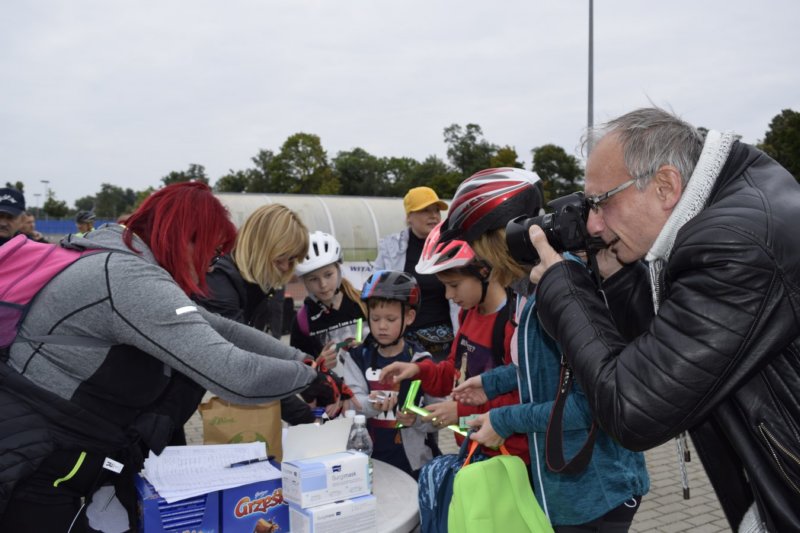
360 419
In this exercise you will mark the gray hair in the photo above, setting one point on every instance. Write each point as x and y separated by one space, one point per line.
652 137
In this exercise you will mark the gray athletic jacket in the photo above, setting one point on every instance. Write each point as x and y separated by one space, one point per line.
150 328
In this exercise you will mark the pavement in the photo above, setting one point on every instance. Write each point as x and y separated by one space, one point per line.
663 509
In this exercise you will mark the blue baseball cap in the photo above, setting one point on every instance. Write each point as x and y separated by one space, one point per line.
11 201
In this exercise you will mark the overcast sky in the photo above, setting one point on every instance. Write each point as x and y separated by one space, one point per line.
124 92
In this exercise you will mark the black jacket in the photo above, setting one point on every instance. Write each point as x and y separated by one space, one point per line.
722 357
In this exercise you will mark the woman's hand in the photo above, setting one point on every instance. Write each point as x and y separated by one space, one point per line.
471 392
485 433
397 372
442 414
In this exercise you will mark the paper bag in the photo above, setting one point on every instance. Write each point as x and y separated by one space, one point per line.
232 423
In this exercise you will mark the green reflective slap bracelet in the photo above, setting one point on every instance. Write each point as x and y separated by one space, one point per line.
414 408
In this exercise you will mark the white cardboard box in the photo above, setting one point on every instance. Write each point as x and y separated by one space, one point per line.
357 515
324 479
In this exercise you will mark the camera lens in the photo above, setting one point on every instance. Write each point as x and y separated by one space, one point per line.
519 242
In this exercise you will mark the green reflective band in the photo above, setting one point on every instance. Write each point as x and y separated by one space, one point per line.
359 329
414 408
72 472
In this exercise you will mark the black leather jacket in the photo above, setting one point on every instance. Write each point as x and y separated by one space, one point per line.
722 357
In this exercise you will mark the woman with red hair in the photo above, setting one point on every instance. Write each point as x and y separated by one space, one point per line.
81 410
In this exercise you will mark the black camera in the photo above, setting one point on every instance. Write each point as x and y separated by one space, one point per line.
565 229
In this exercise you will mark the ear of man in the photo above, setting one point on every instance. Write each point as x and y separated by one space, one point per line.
668 186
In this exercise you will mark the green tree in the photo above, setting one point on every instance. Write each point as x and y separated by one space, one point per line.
505 157
18 185
195 172
54 208
398 175
85 203
234 181
139 197
467 150
434 173
560 172
301 167
782 141
360 173
260 178
113 201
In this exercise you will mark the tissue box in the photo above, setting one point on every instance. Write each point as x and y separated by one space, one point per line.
354 516
327 478
199 514
255 508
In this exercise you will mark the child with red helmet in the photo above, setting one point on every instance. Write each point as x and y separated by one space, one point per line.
481 344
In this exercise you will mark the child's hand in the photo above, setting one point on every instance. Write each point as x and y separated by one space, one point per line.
406 418
328 355
397 372
383 400
442 414
471 392
485 433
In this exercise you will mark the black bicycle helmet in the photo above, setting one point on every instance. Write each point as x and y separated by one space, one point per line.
84 216
392 285
490 198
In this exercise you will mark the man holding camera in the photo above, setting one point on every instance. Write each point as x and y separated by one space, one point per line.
715 305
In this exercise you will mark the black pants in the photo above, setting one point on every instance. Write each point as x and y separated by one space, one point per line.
617 520
27 517
37 506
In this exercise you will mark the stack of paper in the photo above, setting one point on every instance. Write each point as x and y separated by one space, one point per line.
182 472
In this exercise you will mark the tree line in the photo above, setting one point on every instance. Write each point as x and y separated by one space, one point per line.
302 166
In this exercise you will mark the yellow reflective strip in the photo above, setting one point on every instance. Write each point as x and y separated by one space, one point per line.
72 472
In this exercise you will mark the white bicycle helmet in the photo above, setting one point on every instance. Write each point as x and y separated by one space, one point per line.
323 250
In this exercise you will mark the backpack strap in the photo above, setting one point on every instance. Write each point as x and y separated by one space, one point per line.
302 320
507 315
554 445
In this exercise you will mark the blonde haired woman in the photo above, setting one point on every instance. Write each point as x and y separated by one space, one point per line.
247 284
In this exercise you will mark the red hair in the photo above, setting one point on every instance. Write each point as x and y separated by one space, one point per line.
183 224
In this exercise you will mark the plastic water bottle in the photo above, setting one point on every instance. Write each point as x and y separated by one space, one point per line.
319 415
360 441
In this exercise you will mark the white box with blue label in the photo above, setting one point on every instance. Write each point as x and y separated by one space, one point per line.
324 479
358 515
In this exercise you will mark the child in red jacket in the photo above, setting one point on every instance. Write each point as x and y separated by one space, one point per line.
482 342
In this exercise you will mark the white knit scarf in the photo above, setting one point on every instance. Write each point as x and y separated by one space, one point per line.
715 152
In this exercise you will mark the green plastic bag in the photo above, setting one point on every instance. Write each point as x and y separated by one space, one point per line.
495 495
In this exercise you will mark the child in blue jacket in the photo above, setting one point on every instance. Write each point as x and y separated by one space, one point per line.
606 494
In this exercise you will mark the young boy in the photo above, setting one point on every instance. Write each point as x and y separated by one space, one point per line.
481 344
392 300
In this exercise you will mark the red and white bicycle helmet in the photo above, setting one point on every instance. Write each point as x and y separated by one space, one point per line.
438 255
490 198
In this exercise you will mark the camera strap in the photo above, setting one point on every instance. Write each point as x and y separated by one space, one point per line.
554 445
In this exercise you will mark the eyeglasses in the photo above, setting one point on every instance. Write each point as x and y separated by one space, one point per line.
596 201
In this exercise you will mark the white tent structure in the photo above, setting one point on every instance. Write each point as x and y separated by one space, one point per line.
357 222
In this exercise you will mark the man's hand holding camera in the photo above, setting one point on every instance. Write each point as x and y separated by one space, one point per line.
547 255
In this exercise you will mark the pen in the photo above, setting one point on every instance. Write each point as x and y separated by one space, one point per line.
251 461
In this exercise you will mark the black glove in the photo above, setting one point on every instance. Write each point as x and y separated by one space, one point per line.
327 388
